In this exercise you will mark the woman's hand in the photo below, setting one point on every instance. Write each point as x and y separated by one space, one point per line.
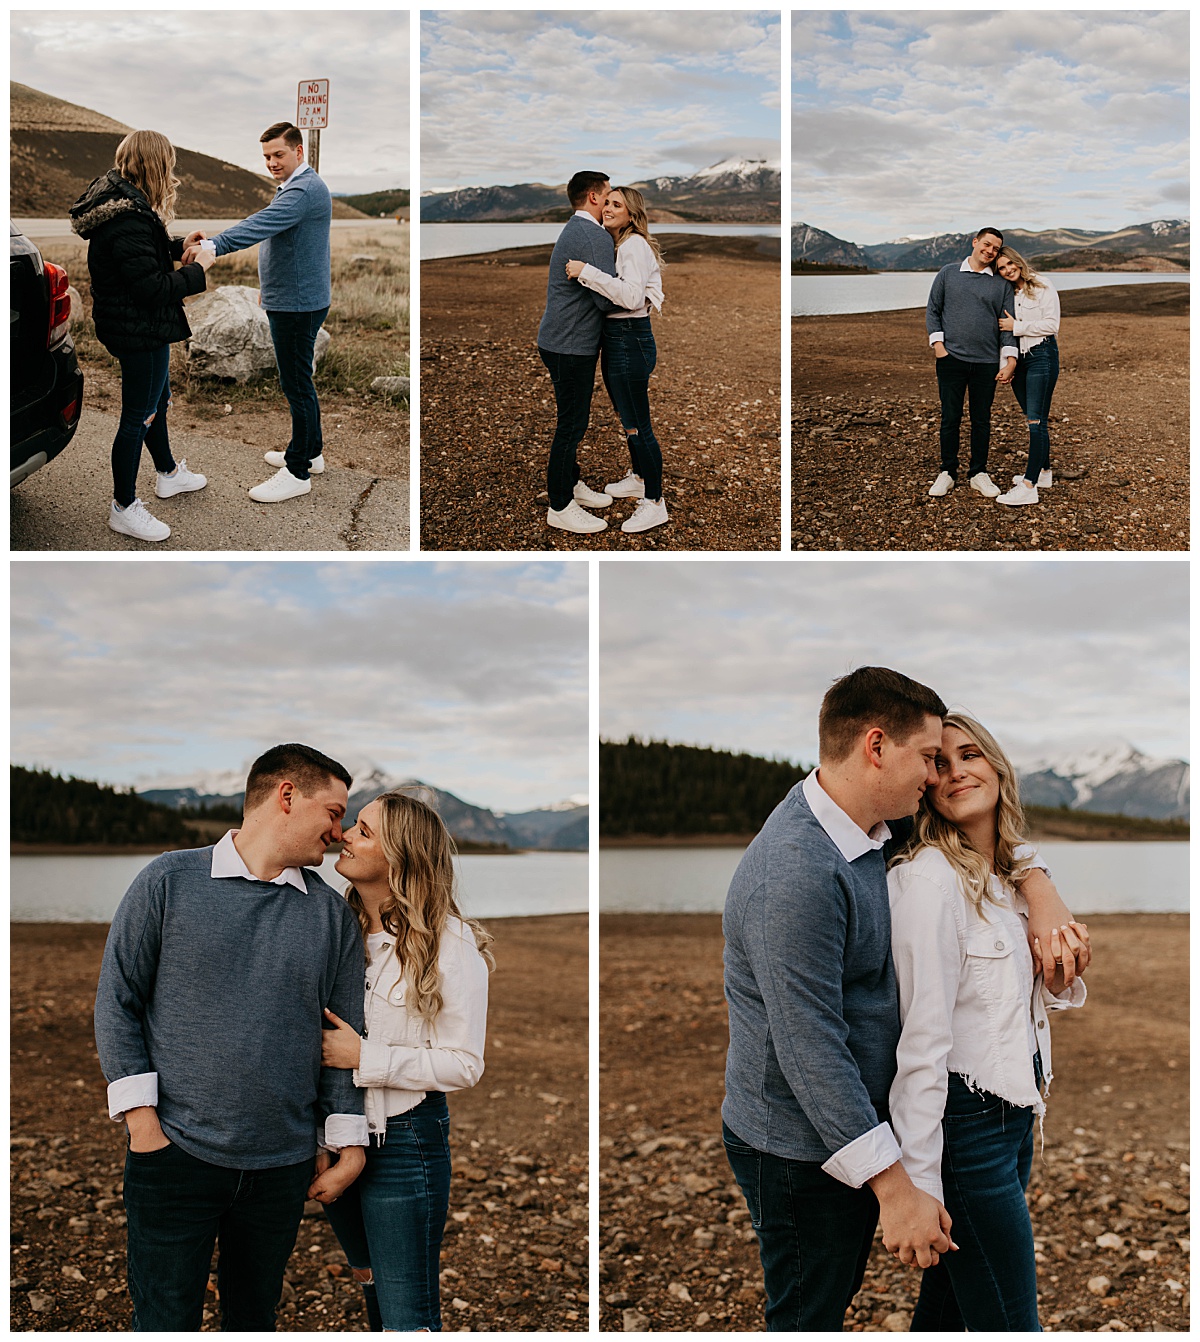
1071 946
575 269
341 1047
205 258
1006 322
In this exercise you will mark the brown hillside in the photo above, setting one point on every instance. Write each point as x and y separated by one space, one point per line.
57 148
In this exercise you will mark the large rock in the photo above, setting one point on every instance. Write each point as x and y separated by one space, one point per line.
231 336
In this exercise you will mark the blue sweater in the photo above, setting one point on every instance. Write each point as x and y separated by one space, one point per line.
966 305
573 322
293 261
218 986
814 1018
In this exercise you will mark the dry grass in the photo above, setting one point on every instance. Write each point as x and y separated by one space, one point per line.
368 318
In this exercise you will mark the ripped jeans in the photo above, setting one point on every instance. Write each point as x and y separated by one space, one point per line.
989 1284
1033 384
145 397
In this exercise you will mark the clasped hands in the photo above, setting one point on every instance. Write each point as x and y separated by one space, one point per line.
192 251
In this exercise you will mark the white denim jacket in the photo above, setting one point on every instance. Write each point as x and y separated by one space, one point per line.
637 284
403 1056
1037 316
969 1004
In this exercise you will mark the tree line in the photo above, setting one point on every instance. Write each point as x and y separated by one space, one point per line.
650 787
47 808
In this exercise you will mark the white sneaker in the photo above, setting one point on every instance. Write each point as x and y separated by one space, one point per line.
985 485
942 485
590 498
282 485
180 481
1019 494
315 467
573 518
137 521
1045 479
630 486
648 513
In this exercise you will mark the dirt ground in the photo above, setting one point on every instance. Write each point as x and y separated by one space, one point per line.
1109 1193
865 434
487 406
515 1256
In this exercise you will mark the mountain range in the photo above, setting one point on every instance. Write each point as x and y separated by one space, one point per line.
735 190
56 148
1111 778
1162 244
563 825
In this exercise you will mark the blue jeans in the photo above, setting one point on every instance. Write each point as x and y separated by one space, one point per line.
573 376
959 380
1033 383
814 1236
392 1217
627 358
179 1207
294 335
990 1283
145 396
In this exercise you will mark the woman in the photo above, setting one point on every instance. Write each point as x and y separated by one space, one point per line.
628 353
1035 323
973 1063
137 306
426 1016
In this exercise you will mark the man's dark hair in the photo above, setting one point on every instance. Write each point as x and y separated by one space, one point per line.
583 182
994 231
873 696
303 765
282 130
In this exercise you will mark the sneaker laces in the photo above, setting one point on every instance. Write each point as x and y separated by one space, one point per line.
138 509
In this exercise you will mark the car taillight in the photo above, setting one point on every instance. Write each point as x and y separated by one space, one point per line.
60 304
70 412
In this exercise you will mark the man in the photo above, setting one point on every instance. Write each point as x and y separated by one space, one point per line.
217 967
962 317
569 343
293 273
813 1016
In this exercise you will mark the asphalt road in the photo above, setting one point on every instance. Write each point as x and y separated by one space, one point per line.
64 506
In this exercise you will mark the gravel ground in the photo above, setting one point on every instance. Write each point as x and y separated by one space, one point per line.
487 406
865 434
515 1256
1108 1196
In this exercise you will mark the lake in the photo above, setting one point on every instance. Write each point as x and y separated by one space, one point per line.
1091 877
827 295
82 889
438 240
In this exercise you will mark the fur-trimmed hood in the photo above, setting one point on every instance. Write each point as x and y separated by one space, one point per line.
105 199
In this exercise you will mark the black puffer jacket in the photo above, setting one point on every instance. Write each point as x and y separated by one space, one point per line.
137 294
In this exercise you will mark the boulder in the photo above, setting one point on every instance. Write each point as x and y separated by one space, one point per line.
391 386
231 336
76 315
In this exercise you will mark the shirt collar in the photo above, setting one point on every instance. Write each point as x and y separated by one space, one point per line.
227 861
291 177
966 265
583 214
849 839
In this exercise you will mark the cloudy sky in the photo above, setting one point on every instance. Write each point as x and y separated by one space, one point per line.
469 676
911 124
1047 654
531 96
214 79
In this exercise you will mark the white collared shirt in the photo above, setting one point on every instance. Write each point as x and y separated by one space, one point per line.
1037 316
876 1150
135 1092
1007 351
591 218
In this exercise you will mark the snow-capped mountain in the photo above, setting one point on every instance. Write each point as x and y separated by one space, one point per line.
1110 777
561 825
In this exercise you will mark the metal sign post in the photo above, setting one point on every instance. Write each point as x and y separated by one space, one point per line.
312 115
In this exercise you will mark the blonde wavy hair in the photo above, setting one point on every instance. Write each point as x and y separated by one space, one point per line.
1032 283
147 159
420 855
933 830
639 222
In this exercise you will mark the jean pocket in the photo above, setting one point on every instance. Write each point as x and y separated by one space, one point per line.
746 1164
964 1104
150 1155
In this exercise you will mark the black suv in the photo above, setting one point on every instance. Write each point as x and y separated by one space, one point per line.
46 386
